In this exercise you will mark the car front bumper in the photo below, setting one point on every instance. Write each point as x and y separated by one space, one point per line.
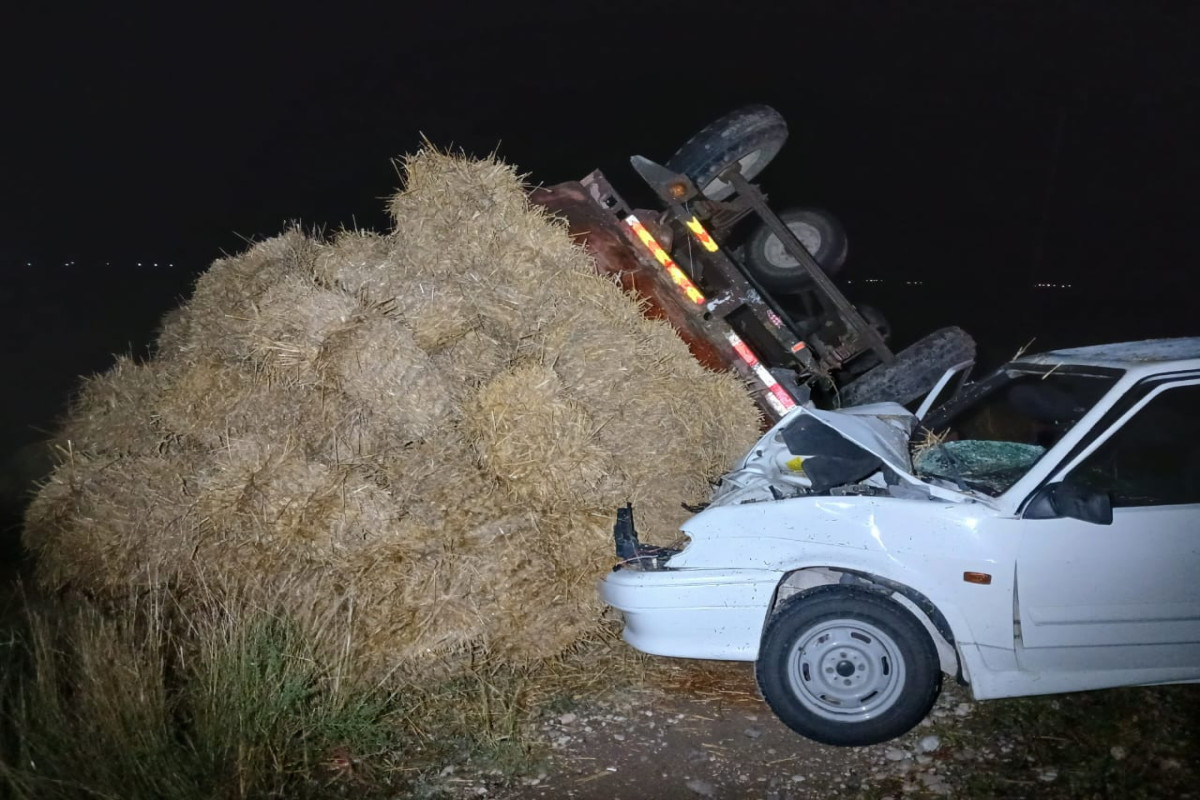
708 613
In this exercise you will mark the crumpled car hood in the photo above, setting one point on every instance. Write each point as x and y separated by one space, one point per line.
882 429
815 450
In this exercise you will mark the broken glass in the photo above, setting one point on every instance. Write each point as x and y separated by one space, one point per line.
989 466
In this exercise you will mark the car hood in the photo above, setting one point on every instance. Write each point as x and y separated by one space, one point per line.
811 450
881 429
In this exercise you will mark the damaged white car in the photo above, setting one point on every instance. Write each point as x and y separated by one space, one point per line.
1039 533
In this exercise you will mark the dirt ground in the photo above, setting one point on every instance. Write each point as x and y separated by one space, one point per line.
712 736
708 734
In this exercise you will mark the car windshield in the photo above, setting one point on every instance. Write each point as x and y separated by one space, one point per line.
998 428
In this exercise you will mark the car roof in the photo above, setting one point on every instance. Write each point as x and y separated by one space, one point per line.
1148 353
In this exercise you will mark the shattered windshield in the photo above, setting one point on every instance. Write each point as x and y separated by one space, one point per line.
1000 427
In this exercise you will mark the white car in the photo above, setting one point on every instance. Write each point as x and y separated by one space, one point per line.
1039 533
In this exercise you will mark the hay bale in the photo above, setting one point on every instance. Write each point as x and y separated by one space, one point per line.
113 412
106 521
538 442
431 427
378 362
292 321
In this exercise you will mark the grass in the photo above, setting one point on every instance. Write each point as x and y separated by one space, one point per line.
1136 742
124 706
237 702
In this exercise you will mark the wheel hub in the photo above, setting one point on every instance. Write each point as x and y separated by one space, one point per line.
778 255
846 670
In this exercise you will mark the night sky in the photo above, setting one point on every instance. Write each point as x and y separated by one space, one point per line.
976 146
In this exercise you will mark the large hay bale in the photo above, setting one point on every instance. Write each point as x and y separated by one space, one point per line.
431 427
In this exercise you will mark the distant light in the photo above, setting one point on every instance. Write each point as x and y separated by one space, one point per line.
139 263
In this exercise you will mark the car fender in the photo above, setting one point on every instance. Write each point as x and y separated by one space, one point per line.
807 579
930 547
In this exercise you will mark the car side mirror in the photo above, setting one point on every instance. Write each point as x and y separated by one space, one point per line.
1058 500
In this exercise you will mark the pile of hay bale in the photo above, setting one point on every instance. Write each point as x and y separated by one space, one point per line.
432 427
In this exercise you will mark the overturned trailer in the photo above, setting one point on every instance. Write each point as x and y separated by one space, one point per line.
768 308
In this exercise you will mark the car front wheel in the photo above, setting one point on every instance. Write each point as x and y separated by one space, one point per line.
847 666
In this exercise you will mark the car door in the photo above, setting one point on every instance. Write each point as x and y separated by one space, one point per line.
1123 596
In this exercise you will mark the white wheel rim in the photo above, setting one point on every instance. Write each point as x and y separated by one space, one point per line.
716 185
777 256
846 670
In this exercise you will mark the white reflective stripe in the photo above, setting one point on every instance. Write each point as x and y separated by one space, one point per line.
764 376
773 401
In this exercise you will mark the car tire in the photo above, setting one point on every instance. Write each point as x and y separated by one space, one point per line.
847 666
820 233
914 371
751 135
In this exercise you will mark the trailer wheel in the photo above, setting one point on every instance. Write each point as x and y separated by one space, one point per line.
914 371
750 136
820 233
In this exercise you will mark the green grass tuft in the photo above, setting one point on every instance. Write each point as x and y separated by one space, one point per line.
97 706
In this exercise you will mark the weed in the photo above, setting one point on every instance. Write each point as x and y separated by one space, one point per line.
120 706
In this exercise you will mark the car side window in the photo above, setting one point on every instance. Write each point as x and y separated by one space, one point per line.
1154 458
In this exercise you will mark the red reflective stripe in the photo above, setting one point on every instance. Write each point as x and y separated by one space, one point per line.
781 393
778 398
745 352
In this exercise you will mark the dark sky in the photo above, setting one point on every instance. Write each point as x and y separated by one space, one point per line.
158 136
954 139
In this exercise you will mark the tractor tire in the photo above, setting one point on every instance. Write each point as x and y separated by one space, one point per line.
751 136
820 233
914 371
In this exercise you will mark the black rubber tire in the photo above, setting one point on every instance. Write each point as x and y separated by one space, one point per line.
820 233
756 131
914 371
803 613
